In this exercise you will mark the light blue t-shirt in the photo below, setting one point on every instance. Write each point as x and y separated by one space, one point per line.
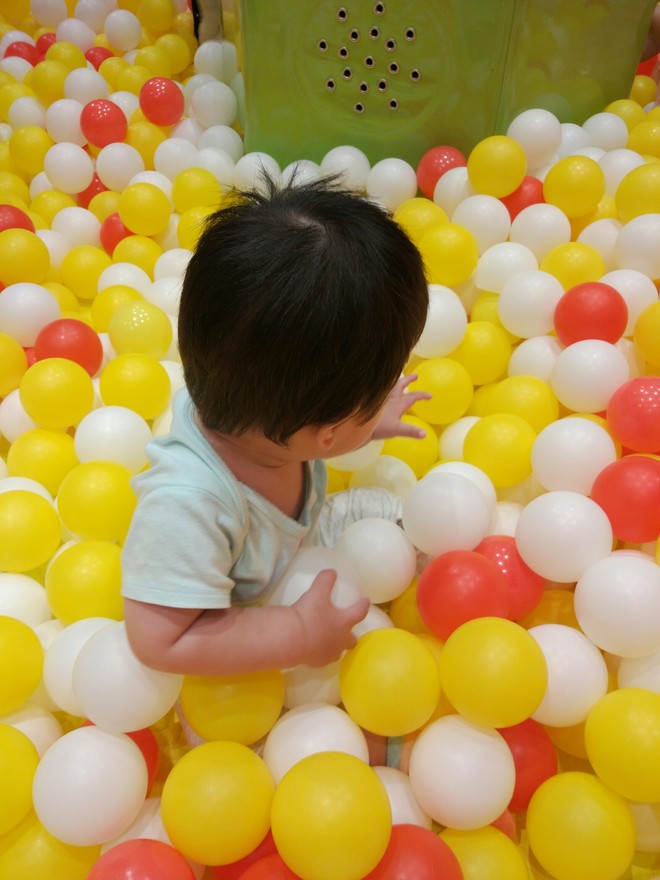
201 539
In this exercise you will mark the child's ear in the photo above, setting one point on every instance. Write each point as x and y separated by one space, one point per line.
326 436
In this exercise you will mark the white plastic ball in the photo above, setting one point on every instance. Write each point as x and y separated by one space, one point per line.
350 164
49 13
638 245
92 12
505 518
172 264
25 484
250 169
502 262
301 171
210 59
486 217
174 155
308 730
445 326
89 786
72 30
577 675
357 458
602 236
570 453
123 29
14 421
63 122
587 373
539 133
68 167
616 164
385 472
114 689
78 226
452 188
128 102
163 183
573 137
25 309
224 138
174 370
560 534
462 775
617 604
14 36
647 828
535 356
312 684
527 302
189 129
125 273
117 163
382 555
607 131
305 566
640 672
452 439
591 152
39 184
213 103
471 472
23 598
39 725
391 182
113 433
375 618
166 294
16 67
26 111
219 163
540 228
404 806
445 511
637 290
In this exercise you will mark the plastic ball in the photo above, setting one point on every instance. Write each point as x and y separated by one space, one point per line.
637 245
577 675
217 784
450 253
418 454
31 848
68 780
18 763
108 300
306 564
484 352
579 829
20 651
112 232
113 433
616 602
314 838
560 534
458 586
214 103
500 263
141 859
535 759
501 445
525 586
462 774
138 382
139 250
628 490
497 165
415 853
56 392
13 218
96 501
573 263
144 209
592 310
646 334
575 184
416 215
434 163
42 455
84 580
539 134
486 853
632 414
638 192
161 101
23 257
123 29
527 303
570 454
587 373
389 682
387 472
493 672
25 308
526 396
30 531
530 192
103 122
485 217
451 387
13 363
540 228
71 339
383 556
117 163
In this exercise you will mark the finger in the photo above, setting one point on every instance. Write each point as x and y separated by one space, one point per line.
325 579
358 610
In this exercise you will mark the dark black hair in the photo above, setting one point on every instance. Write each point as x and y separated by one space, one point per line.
299 307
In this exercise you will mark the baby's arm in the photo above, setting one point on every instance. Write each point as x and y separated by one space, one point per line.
242 639
397 405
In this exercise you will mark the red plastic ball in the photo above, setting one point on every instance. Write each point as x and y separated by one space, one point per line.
112 231
30 355
103 122
86 195
22 49
272 867
459 586
71 339
534 757
433 165
13 218
161 101
97 55
530 192
416 853
628 490
633 414
525 586
146 741
45 41
236 870
591 310
141 859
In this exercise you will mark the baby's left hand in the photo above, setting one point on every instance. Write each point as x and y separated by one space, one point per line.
397 405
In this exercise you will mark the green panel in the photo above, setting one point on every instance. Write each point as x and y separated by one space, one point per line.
395 78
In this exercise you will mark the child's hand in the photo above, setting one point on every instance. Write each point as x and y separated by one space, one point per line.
397 405
326 628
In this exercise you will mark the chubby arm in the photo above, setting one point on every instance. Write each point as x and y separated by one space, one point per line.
236 640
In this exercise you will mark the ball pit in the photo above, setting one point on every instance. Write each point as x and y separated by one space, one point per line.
512 653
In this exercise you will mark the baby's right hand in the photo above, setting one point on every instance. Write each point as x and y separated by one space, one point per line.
326 628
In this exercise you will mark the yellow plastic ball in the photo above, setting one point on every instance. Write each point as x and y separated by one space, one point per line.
108 300
484 351
137 381
144 209
23 257
417 215
84 580
42 455
13 364
69 54
419 455
10 93
18 762
190 226
239 708
96 501
30 851
501 445
575 185
639 192
66 299
493 672
28 146
56 392
110 69
217 785
496 166
451 386
81 268
48 203
154 59
643 90
554 606
156 14
569 739
486 854
194 188
22 653
485 308
140 326
47 80
646 334
13 187
331 817
104 203
132 77
605 209
526 396
177 51
389 682
140 250
450 253
573 263
404 612
145 137
628 110
644 138
579 829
